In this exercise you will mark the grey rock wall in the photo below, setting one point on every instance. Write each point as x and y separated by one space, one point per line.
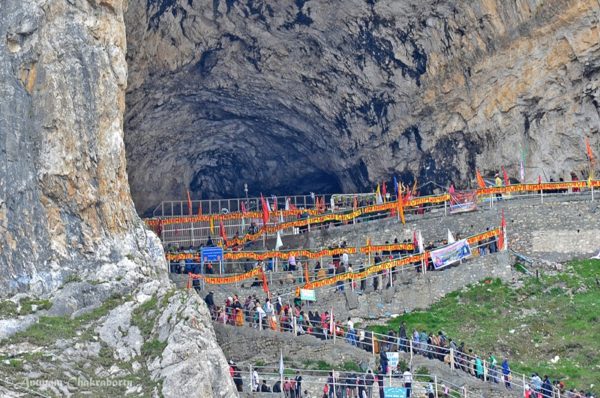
331 96
69 232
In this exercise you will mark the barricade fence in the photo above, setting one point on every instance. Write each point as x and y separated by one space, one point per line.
241 228
294 321
344 383
195 279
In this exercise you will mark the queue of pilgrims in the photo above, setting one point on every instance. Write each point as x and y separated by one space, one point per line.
278 316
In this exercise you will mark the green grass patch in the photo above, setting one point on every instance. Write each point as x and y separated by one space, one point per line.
153 348
551 316
51 328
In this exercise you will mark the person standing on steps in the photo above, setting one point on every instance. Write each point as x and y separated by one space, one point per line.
407 377
506 374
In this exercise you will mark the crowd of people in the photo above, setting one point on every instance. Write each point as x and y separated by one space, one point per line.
291 317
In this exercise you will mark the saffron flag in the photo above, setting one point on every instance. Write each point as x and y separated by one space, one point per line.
506 180
588 150
355 203
189 203
222 232
306 276
401 207
211 223
200 208
265 210
265 285
414 188
480 181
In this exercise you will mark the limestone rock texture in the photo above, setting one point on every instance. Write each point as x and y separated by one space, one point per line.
338 95
87 281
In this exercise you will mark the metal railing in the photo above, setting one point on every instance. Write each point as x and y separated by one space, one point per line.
376 343
197 233
343 383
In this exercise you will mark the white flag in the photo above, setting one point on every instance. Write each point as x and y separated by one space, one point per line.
278 243
281 368
287 203
332 202
421 246
450 237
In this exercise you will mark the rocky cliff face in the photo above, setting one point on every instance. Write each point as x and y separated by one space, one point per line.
330 96
95 303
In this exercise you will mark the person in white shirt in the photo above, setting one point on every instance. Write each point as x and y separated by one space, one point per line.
350 324
407 376
345 259
255 383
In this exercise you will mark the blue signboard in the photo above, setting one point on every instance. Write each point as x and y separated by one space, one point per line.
211 253
394 392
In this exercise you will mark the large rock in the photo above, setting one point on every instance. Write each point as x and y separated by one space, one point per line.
329 96
68 228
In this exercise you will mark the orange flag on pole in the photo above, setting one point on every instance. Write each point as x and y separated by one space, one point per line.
401 206
265 285
505 175
222 232
588 149
480 181
189 203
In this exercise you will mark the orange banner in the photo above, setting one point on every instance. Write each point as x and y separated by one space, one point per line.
224 280
391 264
284 255
157 224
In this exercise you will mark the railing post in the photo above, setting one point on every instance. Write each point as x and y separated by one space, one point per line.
445 214
411 350
452 359
485 371
251 378
524 390
436 385
465 391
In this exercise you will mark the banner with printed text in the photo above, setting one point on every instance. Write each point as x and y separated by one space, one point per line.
450 254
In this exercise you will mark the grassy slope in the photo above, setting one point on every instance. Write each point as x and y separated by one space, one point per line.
530 325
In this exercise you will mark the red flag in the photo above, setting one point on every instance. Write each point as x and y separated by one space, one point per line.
274 203
539 179
451 189
502 231
222 231
200 209
414 238
265 210
243 208
189 202
383 191
323 205
265 285
480 181
355 203
506 180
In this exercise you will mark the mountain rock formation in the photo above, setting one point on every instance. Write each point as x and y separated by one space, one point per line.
337 95
94 301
